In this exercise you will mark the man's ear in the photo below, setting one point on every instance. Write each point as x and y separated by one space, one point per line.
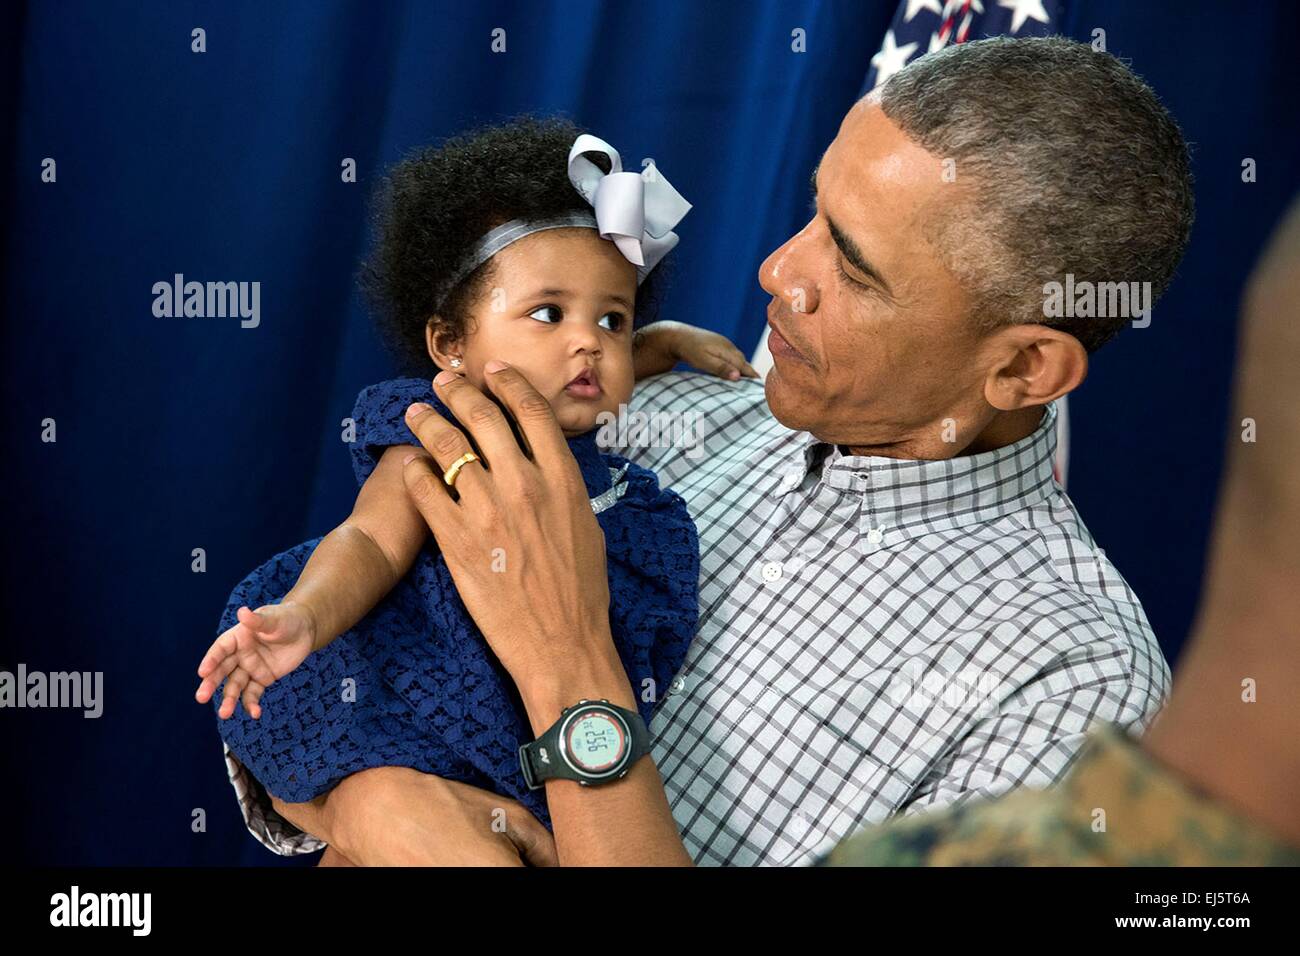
442 345
1033 365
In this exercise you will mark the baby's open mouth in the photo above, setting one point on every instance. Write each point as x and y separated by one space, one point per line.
585 385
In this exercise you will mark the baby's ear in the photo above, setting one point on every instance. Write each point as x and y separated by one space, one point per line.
443 346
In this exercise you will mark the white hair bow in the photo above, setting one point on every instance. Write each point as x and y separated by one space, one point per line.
635 210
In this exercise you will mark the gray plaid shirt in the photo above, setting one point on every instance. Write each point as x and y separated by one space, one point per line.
877 636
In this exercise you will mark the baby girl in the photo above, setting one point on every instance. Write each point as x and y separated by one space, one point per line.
523 242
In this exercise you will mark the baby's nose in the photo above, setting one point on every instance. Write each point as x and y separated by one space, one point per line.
585 340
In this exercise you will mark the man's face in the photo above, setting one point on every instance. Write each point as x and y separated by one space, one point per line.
871 340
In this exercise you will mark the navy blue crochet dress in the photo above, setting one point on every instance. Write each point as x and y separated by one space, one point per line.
414 683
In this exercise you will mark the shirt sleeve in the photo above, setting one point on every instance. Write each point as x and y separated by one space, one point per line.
1028 744
268 827
379 417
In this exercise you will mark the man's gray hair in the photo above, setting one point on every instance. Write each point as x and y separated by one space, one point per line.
1073 166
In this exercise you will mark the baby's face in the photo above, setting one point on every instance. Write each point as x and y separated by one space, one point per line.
558 308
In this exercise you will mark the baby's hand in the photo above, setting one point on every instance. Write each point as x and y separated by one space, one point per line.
263 646
661 345
710 352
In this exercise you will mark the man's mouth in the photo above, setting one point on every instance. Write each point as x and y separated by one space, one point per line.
780 347
585 385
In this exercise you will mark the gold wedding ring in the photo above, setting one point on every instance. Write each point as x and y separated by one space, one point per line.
449 476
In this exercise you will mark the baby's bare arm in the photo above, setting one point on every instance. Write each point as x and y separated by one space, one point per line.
360 561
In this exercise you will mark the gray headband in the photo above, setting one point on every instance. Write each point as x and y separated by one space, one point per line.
508 232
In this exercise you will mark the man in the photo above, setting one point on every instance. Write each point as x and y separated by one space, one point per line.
1216 781
900 608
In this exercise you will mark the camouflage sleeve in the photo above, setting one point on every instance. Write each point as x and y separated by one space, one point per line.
1116 807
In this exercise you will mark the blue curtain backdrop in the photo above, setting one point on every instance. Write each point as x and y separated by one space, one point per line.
177 434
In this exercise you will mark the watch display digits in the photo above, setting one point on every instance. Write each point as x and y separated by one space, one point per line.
593 742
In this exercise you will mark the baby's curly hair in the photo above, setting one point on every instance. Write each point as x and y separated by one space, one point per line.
435 205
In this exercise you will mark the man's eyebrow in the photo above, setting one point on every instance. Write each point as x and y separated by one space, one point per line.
847 246
850 251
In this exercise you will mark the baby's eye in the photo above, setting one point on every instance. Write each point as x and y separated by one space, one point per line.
544 314
612 321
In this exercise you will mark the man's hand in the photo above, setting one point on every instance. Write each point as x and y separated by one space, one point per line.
528 558
394 816
520 538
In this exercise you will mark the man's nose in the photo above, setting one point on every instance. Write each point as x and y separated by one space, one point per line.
787 273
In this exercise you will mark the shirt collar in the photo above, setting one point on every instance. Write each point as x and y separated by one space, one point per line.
903 494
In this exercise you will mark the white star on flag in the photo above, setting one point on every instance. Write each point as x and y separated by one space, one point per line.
916 6
1023 10
891 58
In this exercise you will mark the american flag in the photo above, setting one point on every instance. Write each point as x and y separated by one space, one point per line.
923 26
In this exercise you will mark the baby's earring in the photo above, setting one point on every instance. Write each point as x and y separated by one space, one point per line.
455 363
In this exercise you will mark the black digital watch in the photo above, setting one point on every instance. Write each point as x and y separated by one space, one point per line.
593 742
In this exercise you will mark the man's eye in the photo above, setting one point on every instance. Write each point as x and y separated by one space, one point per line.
839 267
547 313
612 321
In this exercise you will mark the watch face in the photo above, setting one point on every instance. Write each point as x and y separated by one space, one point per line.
595 741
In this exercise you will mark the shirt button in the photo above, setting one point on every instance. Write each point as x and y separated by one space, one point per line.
875 536
677 686
772 571
789 481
